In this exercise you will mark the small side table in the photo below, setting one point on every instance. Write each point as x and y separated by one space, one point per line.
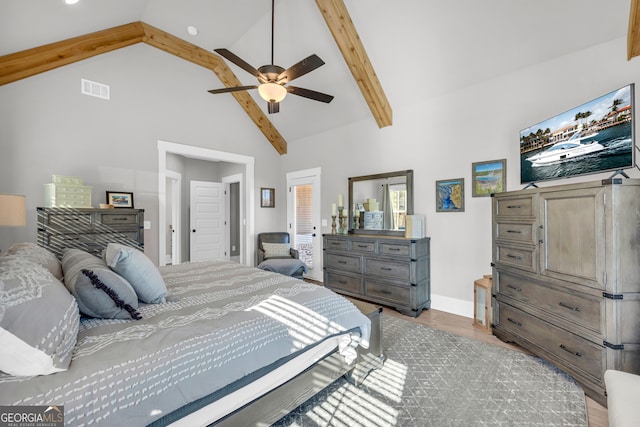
482 315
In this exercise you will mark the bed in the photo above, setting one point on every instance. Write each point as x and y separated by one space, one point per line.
220 344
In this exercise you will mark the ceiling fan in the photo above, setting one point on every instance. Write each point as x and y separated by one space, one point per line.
273 78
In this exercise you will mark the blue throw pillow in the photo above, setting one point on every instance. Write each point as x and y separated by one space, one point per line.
139 270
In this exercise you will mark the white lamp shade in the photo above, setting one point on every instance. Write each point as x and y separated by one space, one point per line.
12 210
272 92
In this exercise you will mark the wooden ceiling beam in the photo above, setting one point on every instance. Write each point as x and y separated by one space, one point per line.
633 36
27 63
344 32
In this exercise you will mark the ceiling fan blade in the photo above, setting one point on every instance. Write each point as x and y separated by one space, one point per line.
225 53
231 89
300 69
311 94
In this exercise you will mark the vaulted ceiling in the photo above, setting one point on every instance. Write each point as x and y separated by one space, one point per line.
379 55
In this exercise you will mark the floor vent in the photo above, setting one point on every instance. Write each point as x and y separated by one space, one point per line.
95 89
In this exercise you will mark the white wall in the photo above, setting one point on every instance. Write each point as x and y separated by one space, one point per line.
441 137
48 127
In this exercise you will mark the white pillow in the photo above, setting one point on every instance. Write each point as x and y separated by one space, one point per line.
273 250
139 271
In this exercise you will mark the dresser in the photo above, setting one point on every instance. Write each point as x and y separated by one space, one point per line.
392 271
89 229
566 276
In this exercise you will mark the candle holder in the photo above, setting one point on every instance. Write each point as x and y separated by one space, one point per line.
340 226
356 222
333 224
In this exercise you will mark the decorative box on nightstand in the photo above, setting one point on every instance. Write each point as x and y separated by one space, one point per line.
482 303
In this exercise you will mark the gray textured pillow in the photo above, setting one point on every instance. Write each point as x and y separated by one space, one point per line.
39 319
38 255
139 270
274 250
99 291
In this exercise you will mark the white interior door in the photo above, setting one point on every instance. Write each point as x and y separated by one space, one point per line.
207 219
303 218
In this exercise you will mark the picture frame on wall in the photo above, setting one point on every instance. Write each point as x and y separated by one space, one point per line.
488 177
120 199
450 195
267 198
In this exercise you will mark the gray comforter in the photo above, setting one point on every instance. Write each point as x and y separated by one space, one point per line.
221 324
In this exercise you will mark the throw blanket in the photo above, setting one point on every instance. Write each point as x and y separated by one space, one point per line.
286 266
221 324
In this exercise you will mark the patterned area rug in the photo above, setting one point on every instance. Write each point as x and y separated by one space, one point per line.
433 378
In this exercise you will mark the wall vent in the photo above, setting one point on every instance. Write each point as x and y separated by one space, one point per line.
95 89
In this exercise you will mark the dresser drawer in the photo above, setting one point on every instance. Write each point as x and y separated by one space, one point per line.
67 218
344 262
516 232
114 218
583 310
524 258
344 282
394 249
397 294
338 244
571 348
392 269
514 207
363 246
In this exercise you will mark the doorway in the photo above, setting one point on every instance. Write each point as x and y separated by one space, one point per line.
303 218
207 218
245 163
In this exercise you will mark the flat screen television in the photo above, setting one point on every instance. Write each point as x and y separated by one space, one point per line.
594 137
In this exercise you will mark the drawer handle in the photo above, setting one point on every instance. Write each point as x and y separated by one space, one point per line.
514 206
567 306
386 268
362 246
342 262
386 292
335 243
515 322
514 231
575 353
514 256
515 288
119 219
344 282
394 249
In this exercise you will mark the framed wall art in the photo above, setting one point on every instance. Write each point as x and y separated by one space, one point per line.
450 195
488 177
120 199
267 198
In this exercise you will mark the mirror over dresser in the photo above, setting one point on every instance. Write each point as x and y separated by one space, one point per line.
375 261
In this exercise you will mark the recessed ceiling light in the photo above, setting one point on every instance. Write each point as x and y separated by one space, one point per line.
71 1
192 30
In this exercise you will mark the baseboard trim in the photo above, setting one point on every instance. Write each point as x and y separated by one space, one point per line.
452 305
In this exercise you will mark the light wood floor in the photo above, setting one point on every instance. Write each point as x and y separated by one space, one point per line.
462 326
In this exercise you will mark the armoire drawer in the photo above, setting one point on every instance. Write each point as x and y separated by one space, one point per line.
391 269
516 232
344 262
514 207
344 282
581 309
398 294
520 257
569 347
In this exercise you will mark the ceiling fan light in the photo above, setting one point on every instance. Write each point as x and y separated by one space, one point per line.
272 92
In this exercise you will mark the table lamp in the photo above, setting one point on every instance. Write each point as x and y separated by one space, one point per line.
12 211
